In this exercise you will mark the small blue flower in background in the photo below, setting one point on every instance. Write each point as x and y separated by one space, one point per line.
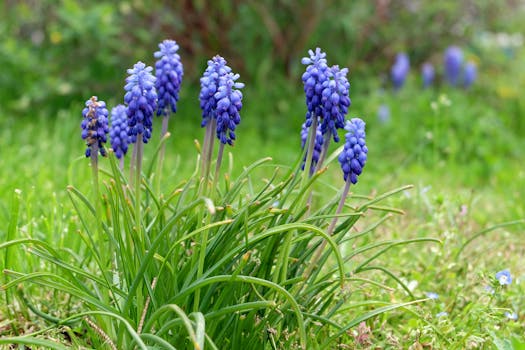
316 74
335 99
399 70
229 104
354 154
489 289
427 74
169 72
452 61
95 126
511 315
383 114
432 295
470 73
504 277
118 131
319 140
220 98
141 100
442 314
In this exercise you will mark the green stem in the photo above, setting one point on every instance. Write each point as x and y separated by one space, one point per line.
138 168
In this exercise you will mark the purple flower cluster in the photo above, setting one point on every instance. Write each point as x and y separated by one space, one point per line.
220 98
118 131
470 73
354 154
95 126
314 78
335 101
169 72
141 100
452 64
399 70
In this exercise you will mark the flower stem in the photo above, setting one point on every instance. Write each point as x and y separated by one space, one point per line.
138 167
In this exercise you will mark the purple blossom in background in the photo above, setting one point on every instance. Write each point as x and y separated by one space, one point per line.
470 72
95 126
354 154
319 140
335 101
427 74
452 64
504 277
169 72
399 70
442 314
316 74
220 98
383 113
141 100
118 131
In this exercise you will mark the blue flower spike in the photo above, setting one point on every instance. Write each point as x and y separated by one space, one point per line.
141 101
221 102
399 70
314 77
470 73
354 154
169 72
118 131
452 64
335 101
95 126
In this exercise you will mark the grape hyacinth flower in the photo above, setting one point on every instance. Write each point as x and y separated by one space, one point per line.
95 127
504 277
399 71
229 104
335 101
354 154
118 131
169 72
221 103
141 100
452 62
352 159
470 73
314 77
427 74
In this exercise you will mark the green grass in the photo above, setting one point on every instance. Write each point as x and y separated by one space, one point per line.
464 159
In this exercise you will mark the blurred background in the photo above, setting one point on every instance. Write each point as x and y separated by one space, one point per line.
55 54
